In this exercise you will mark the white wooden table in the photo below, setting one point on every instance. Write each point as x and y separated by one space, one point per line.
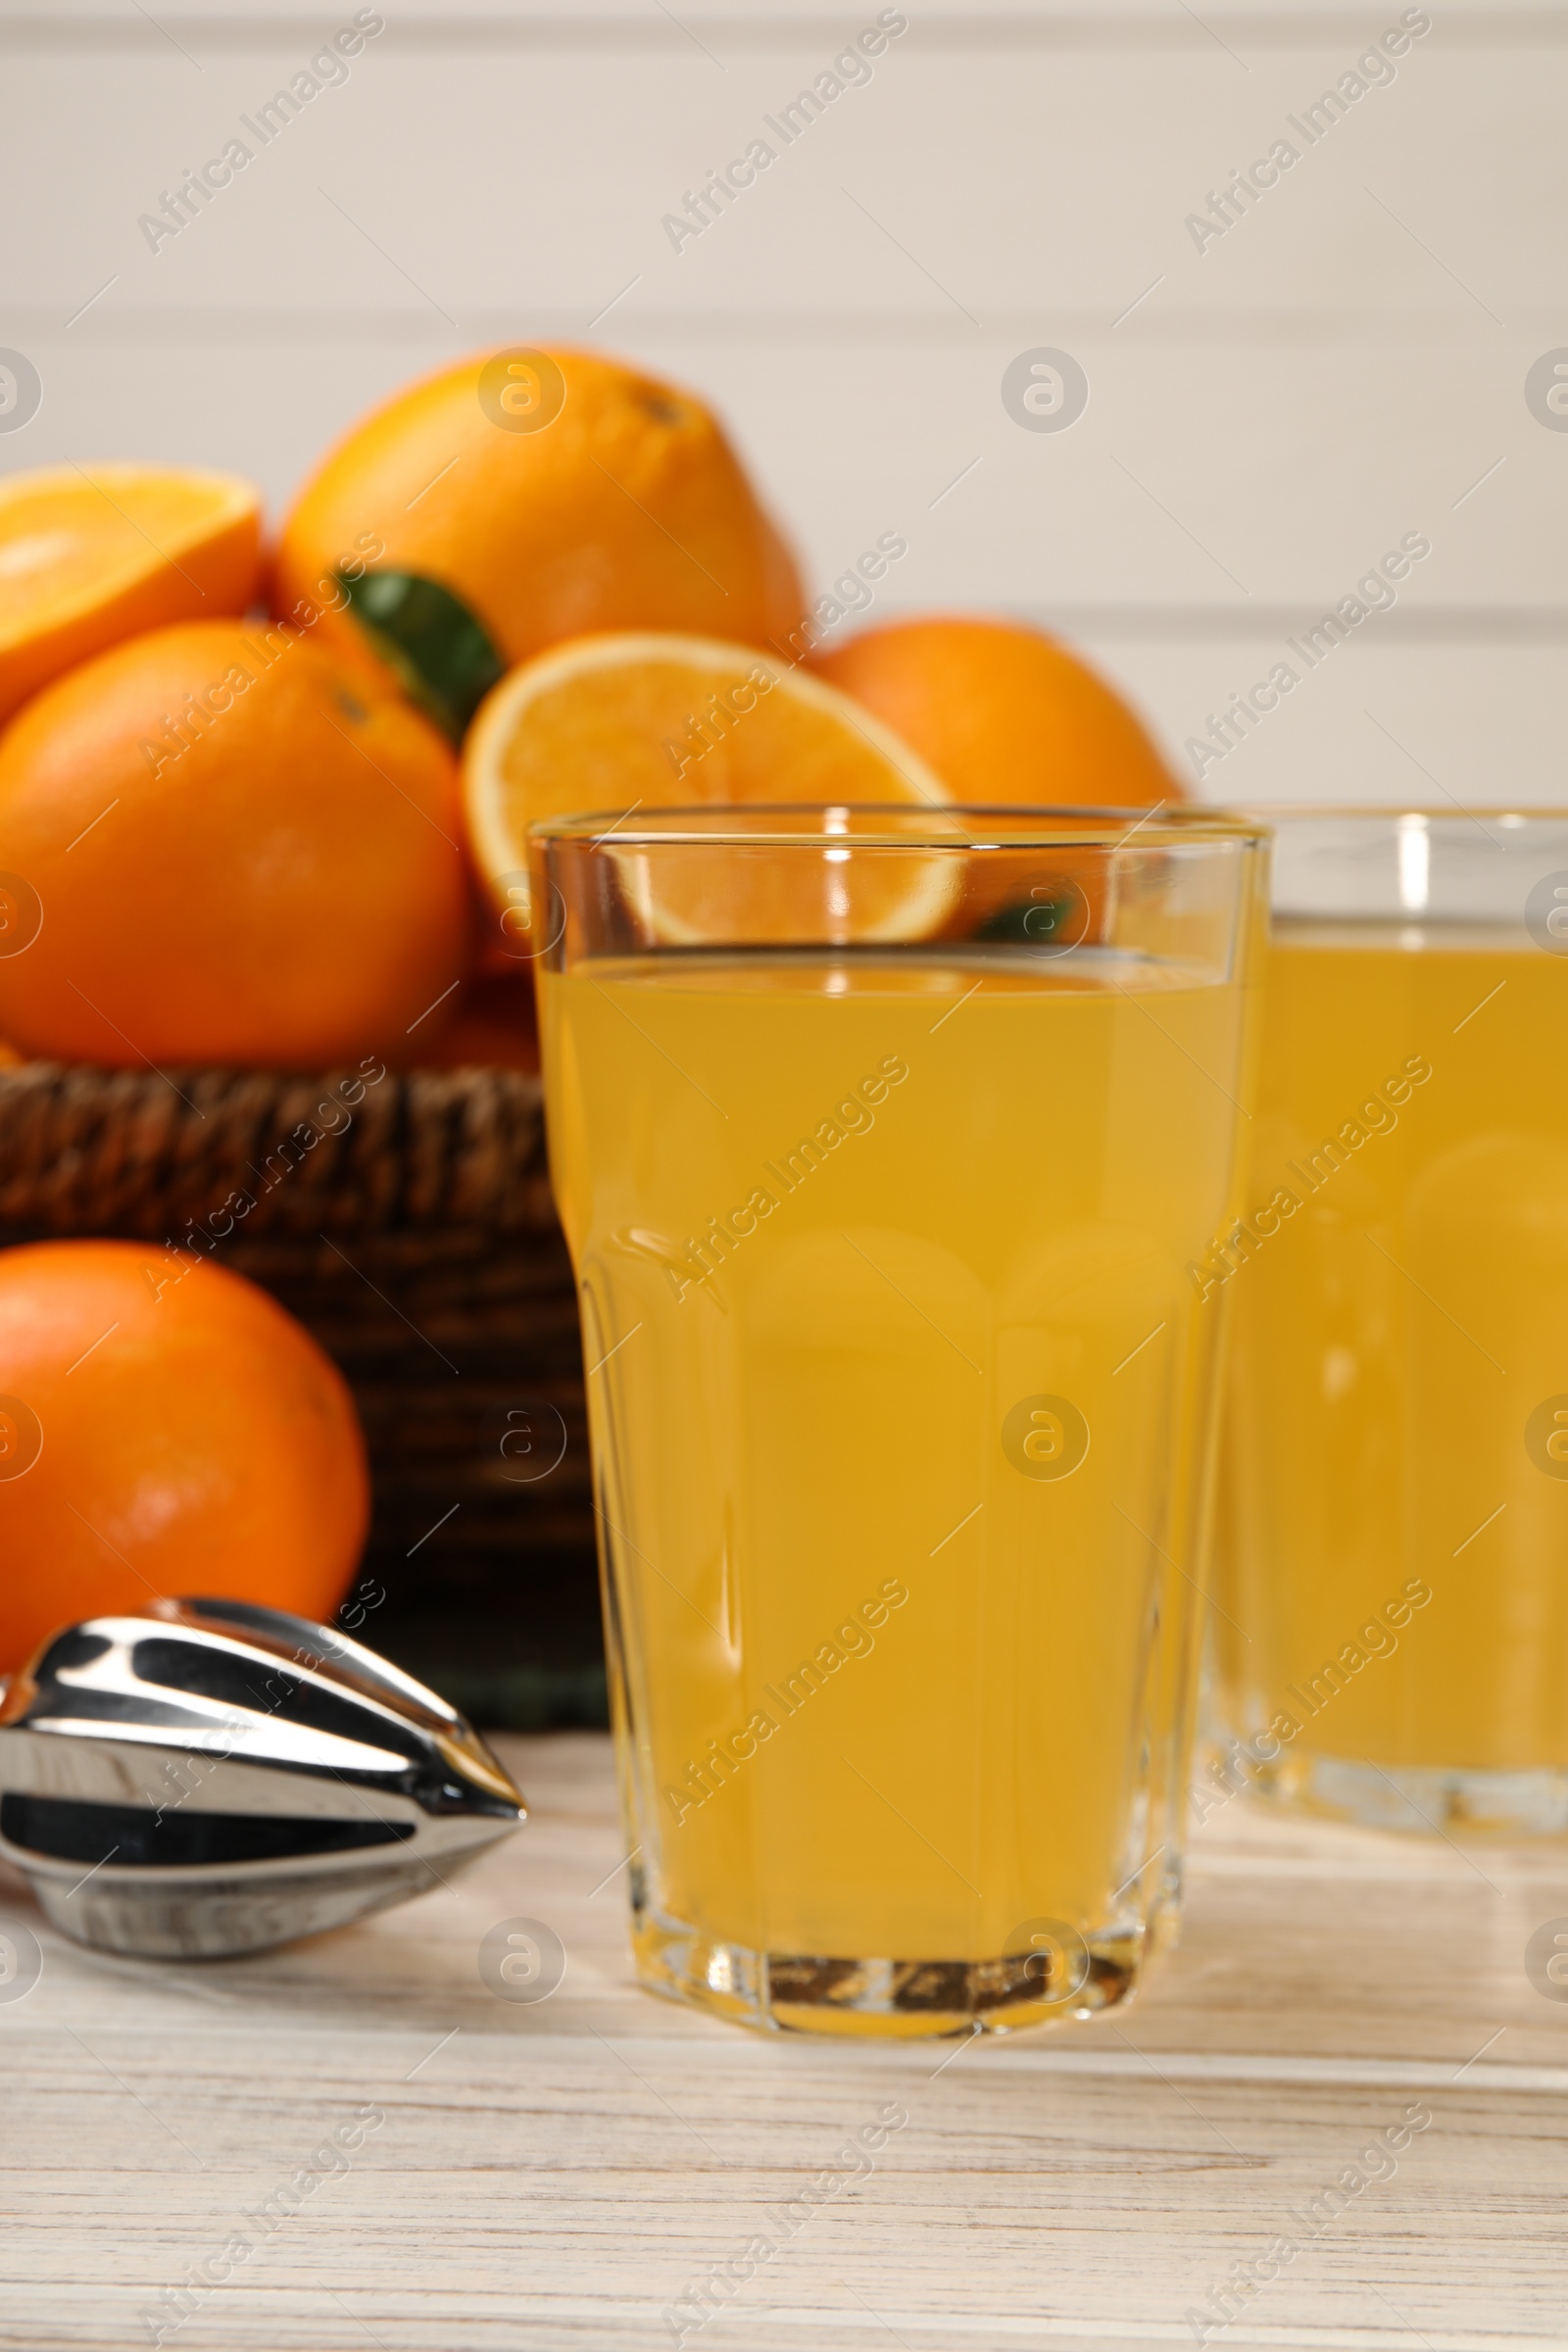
561 2173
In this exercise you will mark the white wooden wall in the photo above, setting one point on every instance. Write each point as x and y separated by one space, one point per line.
1341 368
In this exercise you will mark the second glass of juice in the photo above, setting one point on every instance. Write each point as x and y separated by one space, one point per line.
883 1140
1392 1635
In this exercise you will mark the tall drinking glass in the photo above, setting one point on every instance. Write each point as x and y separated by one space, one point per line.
1393 1641
883 1140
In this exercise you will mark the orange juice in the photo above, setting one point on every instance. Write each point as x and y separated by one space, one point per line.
1396 1488
897 1379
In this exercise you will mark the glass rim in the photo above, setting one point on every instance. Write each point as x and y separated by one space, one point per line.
1396 811
900 825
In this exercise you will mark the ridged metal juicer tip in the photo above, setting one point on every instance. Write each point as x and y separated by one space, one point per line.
209 1778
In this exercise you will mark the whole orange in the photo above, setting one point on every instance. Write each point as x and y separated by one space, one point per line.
1002 713
220 844
552 494
165 1429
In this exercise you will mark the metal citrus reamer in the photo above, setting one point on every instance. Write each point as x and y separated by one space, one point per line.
209 1778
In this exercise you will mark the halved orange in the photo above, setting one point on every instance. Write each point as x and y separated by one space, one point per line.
90 555
641 720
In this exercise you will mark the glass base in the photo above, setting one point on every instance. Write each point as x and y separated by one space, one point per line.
795 1992
1421 1797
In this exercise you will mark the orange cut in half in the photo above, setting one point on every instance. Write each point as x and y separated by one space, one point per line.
91 555
635 723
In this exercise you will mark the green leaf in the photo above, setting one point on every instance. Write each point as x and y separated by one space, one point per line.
440 652
1034 922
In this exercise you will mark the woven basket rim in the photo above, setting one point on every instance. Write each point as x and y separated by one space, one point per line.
196 1152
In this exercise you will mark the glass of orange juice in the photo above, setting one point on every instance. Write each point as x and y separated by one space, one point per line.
883 1139
1393 1633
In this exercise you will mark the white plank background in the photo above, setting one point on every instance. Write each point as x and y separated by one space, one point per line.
551 2177
1343 367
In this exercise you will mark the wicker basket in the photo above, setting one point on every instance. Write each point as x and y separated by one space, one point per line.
407 1221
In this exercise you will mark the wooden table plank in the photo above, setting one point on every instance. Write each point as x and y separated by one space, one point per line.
562 2173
